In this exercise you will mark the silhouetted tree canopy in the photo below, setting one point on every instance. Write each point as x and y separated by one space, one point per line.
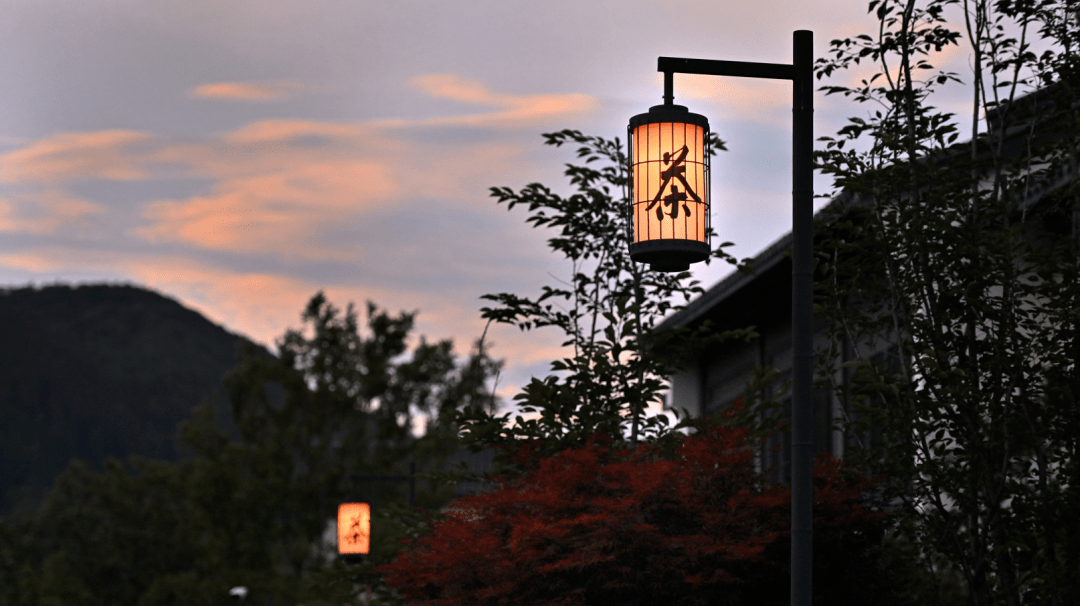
252 508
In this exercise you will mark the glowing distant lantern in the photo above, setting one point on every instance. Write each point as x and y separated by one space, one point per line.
669 172
354 529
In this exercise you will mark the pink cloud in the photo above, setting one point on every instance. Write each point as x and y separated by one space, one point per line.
744 98
273 195
31 261
263 305
44 212
275 90
67 156
257 304
276 211
515 110
283 131
278 183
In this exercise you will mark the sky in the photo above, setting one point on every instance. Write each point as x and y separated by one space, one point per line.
241 156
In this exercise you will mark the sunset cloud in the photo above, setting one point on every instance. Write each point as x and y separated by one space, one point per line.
274 90
514 110
265 304
44 212
242 156
31 261
66 156
278 211
744 98
279 184
285 131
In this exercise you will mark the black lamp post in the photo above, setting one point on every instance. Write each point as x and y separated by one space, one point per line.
669 209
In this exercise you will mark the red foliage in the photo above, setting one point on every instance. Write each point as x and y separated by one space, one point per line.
598 525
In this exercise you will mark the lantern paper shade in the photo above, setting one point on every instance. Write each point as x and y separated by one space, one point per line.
669 171
354 528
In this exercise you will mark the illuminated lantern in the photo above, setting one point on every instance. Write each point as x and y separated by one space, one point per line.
669 173
354 529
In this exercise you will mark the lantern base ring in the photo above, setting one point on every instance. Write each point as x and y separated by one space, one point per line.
669 255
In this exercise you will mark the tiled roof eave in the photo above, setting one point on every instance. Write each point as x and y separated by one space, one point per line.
763 262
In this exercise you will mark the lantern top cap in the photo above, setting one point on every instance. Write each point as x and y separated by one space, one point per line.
669 113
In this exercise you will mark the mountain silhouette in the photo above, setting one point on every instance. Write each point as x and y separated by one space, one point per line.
98 371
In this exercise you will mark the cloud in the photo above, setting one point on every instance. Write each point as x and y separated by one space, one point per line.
456 88
32 261
49 212
747 98
280 184
274 90
262 305
66 156
259 305
284 131
276 186
515 110
277 211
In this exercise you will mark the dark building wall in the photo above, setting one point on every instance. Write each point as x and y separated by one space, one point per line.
721 374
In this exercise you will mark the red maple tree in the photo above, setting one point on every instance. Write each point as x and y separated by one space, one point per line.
603 525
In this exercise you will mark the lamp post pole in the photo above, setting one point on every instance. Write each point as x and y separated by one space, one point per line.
801 73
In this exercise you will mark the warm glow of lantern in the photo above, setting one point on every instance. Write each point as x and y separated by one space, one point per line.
669 169
354 528
670 182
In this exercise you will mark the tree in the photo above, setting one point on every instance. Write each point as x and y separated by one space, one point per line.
344 405
607 311
959 261
102 537
598 524
252 509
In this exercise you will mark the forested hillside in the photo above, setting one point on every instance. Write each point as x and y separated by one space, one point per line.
97 371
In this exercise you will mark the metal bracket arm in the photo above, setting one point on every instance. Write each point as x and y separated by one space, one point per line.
709 67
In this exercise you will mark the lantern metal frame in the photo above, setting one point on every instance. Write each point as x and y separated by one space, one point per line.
355 478
801 74
670 254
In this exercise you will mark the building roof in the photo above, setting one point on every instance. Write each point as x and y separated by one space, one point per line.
776 253
1016 130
